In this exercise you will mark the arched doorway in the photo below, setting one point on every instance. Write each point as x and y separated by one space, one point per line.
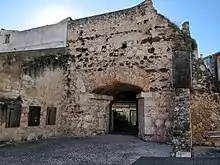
123 117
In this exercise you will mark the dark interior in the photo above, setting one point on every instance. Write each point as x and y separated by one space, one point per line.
122 120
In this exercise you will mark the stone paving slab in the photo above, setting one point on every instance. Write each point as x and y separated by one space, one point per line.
176 161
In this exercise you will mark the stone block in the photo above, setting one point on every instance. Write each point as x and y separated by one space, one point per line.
99 97
147 95
148 126
159 123
183 154
149 103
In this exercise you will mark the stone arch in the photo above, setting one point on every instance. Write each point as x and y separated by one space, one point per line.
115 76
115 88
124 111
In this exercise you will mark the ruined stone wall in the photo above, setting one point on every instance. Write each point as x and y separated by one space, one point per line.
80 119
205 114
133 46
24 74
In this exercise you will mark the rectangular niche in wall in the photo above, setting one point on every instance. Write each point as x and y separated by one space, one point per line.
7 38
13 116
34 116
51 115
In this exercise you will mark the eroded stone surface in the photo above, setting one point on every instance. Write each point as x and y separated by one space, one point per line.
204 107
180 128
134 47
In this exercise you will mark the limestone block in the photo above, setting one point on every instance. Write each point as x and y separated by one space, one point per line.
26 78
91 49
102 124
99 48
148 126
130 54
167 124
2 85
149 103
88 118
202 67
159 122
140 53
86 125
183 154
146 95
80 85
130 43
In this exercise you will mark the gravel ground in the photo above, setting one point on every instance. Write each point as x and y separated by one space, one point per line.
102 150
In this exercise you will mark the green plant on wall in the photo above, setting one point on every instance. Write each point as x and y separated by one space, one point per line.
194 44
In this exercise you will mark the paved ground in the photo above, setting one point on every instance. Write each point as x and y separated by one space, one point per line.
206 152
177 161
103 150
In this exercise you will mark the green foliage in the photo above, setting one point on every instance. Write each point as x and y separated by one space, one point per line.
194 44
175 27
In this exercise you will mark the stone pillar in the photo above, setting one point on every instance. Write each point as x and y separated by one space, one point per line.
182 71
145 125
181 129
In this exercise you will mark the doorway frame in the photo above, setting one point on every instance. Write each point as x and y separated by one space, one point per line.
111 118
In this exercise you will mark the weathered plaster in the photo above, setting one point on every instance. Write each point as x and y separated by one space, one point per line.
44 91
46 37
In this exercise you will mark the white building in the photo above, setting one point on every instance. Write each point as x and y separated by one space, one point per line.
45 37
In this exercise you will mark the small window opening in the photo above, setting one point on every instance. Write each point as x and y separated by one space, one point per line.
13 116
34 116
7 38
51 116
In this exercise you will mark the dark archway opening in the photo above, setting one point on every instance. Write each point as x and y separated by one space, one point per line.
123 117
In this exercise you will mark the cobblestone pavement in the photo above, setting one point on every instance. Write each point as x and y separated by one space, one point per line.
103 150
206 152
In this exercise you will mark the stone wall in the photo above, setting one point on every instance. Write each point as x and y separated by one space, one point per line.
155 120
87 116
204 107
40 86
136 47
133 46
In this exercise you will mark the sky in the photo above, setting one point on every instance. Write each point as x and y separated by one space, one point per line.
203 15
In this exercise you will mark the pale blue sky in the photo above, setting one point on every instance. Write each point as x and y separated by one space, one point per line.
204 15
